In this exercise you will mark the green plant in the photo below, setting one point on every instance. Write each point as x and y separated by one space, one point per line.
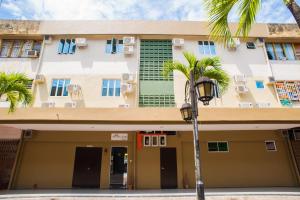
13 88
210 67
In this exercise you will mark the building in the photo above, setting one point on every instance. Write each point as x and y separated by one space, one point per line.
105 117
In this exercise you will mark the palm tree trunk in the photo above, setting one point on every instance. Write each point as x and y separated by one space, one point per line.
295 10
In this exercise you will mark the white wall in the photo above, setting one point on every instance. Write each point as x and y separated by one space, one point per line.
286 70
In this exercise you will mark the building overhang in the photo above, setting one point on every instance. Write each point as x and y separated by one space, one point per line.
133 119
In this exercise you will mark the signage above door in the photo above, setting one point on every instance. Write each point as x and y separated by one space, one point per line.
119 136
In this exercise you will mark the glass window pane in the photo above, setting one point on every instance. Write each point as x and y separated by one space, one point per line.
108 48
212 48
61 46
67 82
67 46
114 46
72 47
108 42
111 85
289 51
26 46
60 87
120 48
53 87
279 51
5 48
16 48
222 146
259 84
104 87
206 48
201 49
117 88
270 52
212 146
37 46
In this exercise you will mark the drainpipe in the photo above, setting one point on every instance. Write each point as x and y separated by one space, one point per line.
39 65
291 153
16 162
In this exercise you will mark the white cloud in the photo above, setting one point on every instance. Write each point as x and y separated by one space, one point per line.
271 11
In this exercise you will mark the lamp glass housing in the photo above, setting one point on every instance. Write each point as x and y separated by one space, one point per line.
186 111
205 90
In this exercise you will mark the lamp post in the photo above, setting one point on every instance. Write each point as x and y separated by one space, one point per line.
204 89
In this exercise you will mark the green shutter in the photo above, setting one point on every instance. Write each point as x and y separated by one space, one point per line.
155 89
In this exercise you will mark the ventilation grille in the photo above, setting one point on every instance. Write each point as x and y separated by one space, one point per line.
157 101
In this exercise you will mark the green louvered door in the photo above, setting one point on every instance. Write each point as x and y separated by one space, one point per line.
155 89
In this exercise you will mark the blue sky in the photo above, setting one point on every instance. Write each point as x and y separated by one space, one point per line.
271 11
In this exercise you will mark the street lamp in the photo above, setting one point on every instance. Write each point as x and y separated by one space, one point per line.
204 90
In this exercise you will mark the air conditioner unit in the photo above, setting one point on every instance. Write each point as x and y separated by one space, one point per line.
260 42
124 105
245 105
234 45
39 78
128 50
263 105
296 134
128 40
81 42
73 88
126 77
241 89
126 88
71 104
240 78
271 80
32 53
47 39
27 134
48 104
178 42
237 42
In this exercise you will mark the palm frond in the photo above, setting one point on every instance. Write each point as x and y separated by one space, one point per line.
247 11
170 66
220 76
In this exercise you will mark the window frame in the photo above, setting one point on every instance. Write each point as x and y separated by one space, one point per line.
71 49
282 44
209 44
64 87
119 46
270 150
22 50
218 151
108 87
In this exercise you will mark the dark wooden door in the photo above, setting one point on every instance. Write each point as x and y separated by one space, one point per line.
87 167
168 168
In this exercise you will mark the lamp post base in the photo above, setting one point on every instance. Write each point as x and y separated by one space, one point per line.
200 190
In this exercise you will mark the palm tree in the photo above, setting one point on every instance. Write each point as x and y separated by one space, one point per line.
13 87
218 12
209 66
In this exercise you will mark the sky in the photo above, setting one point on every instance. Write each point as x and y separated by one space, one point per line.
272 11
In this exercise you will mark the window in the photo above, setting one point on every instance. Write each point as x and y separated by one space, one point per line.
59 87
207 47
18 48
66 46
111 87
251 45
114 46
270 145
218 147
259 84
280 51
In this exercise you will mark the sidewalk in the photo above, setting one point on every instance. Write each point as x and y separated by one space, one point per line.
211 194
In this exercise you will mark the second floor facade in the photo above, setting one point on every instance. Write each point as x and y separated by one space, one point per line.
119 64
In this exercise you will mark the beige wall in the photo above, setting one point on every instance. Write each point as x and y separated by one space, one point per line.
48 159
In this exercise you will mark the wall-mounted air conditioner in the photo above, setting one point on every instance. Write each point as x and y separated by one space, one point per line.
128 78
128 50
240 78
32 53
71 105
127 88
81 42
245 105
263 105
39 78
260 42
178 42
128 40
73 88
48 104
126 105
47 39
241 89
236 43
